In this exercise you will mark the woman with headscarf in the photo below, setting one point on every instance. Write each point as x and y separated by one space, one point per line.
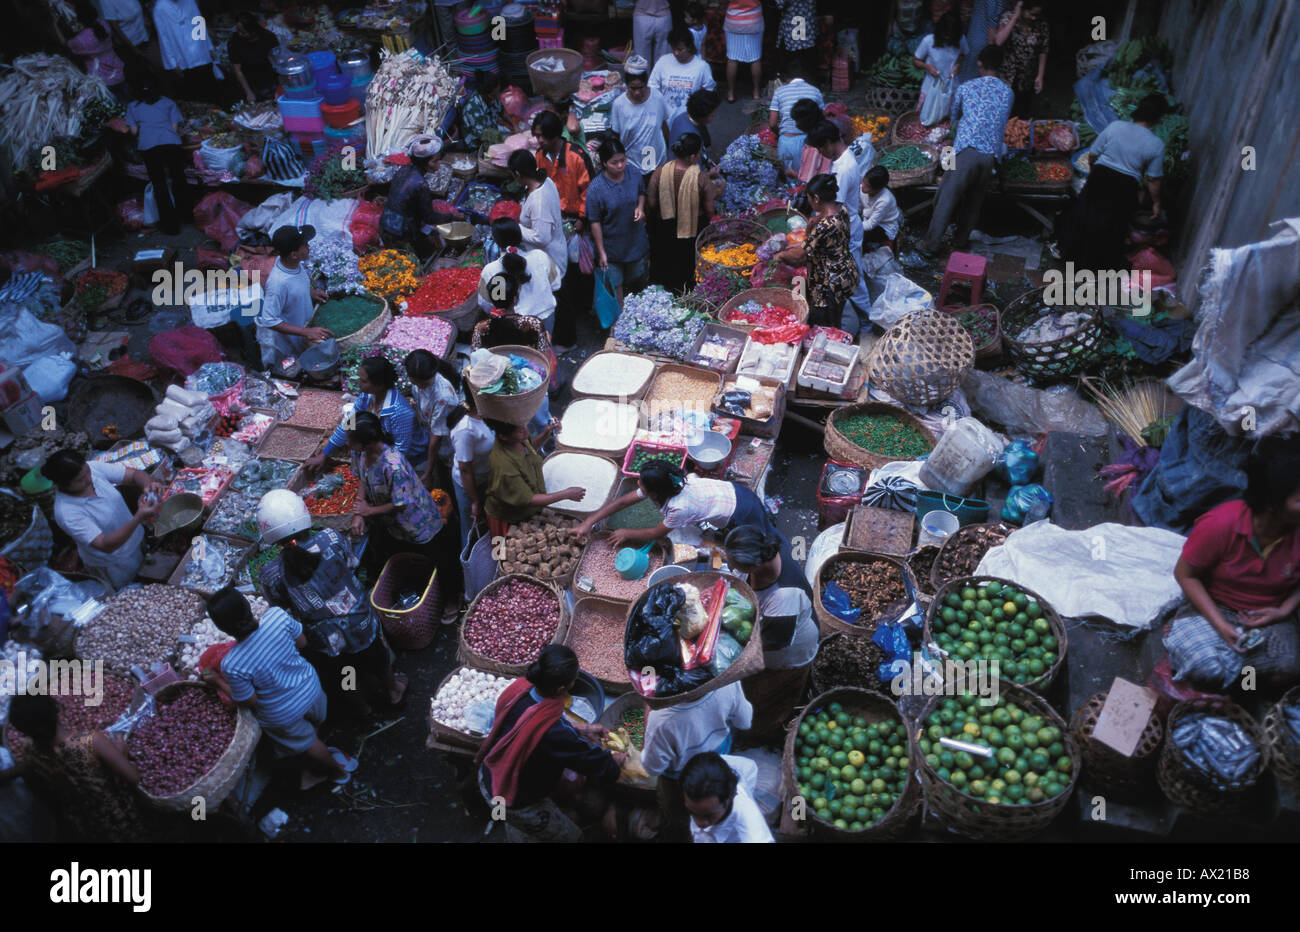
408 216
682 199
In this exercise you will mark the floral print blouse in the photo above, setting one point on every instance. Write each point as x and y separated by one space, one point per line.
1026 42
832 268
798 29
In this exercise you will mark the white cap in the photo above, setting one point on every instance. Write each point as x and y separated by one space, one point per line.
281 513
635 64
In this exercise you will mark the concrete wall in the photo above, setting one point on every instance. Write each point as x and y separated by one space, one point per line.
1237 74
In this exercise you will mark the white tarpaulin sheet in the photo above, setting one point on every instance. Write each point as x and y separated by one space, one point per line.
1245 368
1122 573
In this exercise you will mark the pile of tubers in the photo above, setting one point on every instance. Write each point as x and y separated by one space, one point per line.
542 547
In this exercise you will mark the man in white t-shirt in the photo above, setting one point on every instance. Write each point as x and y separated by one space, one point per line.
287 308
825 137
719 795
640 118
128 17
90 510
679 75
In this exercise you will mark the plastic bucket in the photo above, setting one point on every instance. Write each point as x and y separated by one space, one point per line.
967 510
323 63
335 88
308 107
936 527
340 115
964 455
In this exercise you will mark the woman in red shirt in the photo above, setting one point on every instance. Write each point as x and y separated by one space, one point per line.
1240 572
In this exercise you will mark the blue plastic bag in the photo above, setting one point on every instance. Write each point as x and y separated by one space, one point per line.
891 637
1018 463
607 309
836 601
1026 504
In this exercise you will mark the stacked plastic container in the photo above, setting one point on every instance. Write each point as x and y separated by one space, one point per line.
520 41
547 24
304 122
295 74
478 52
355 63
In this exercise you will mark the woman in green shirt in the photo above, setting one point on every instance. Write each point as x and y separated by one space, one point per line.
515 489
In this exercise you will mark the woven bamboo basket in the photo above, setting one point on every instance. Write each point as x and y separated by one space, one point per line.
777 297
470 657
735 231
1053 359
1039 684
907 120
748 662
904 178
88 178
991 348
892 100
371 332
515 409
636 395
938 578
844 450
489 170
643 790
445 733
215 785
1191 788
608 607
567 507
339 522
818 681
828 623
764 217
872 708
922 359
756 127
983 821
556 85
1284 750
1105 768
463 316
654 399
559 580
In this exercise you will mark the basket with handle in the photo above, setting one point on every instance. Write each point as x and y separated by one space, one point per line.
998 821
614 611
736 231
1284 749
469 656
922 359
408 628
1050 359
872 709
1192 788
842 449
908 122
826 620
519 408
555 85
746 663
1105 768
1039 684
222 777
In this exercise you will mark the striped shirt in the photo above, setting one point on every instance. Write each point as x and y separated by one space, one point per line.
786 96
266 665
399 419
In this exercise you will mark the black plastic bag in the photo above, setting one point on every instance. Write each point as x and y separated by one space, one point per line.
674 681
736 402
652 636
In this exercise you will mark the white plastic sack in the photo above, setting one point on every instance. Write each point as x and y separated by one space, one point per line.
222 159
24 338
901 296
823 546
50 376
1245 367
1026 411
284 210
1122 573
149 207
186 397
908 470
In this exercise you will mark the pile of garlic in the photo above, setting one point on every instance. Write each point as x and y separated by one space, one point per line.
205 634
466 687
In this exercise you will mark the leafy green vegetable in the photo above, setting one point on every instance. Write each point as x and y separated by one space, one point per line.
1133 55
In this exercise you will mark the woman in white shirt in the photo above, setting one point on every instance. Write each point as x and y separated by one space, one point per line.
719 794
537 293
713 505
881 217
436 391
681 74
471 445
540 220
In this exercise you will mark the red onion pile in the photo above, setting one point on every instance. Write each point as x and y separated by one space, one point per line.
181 742
80 718
512 623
